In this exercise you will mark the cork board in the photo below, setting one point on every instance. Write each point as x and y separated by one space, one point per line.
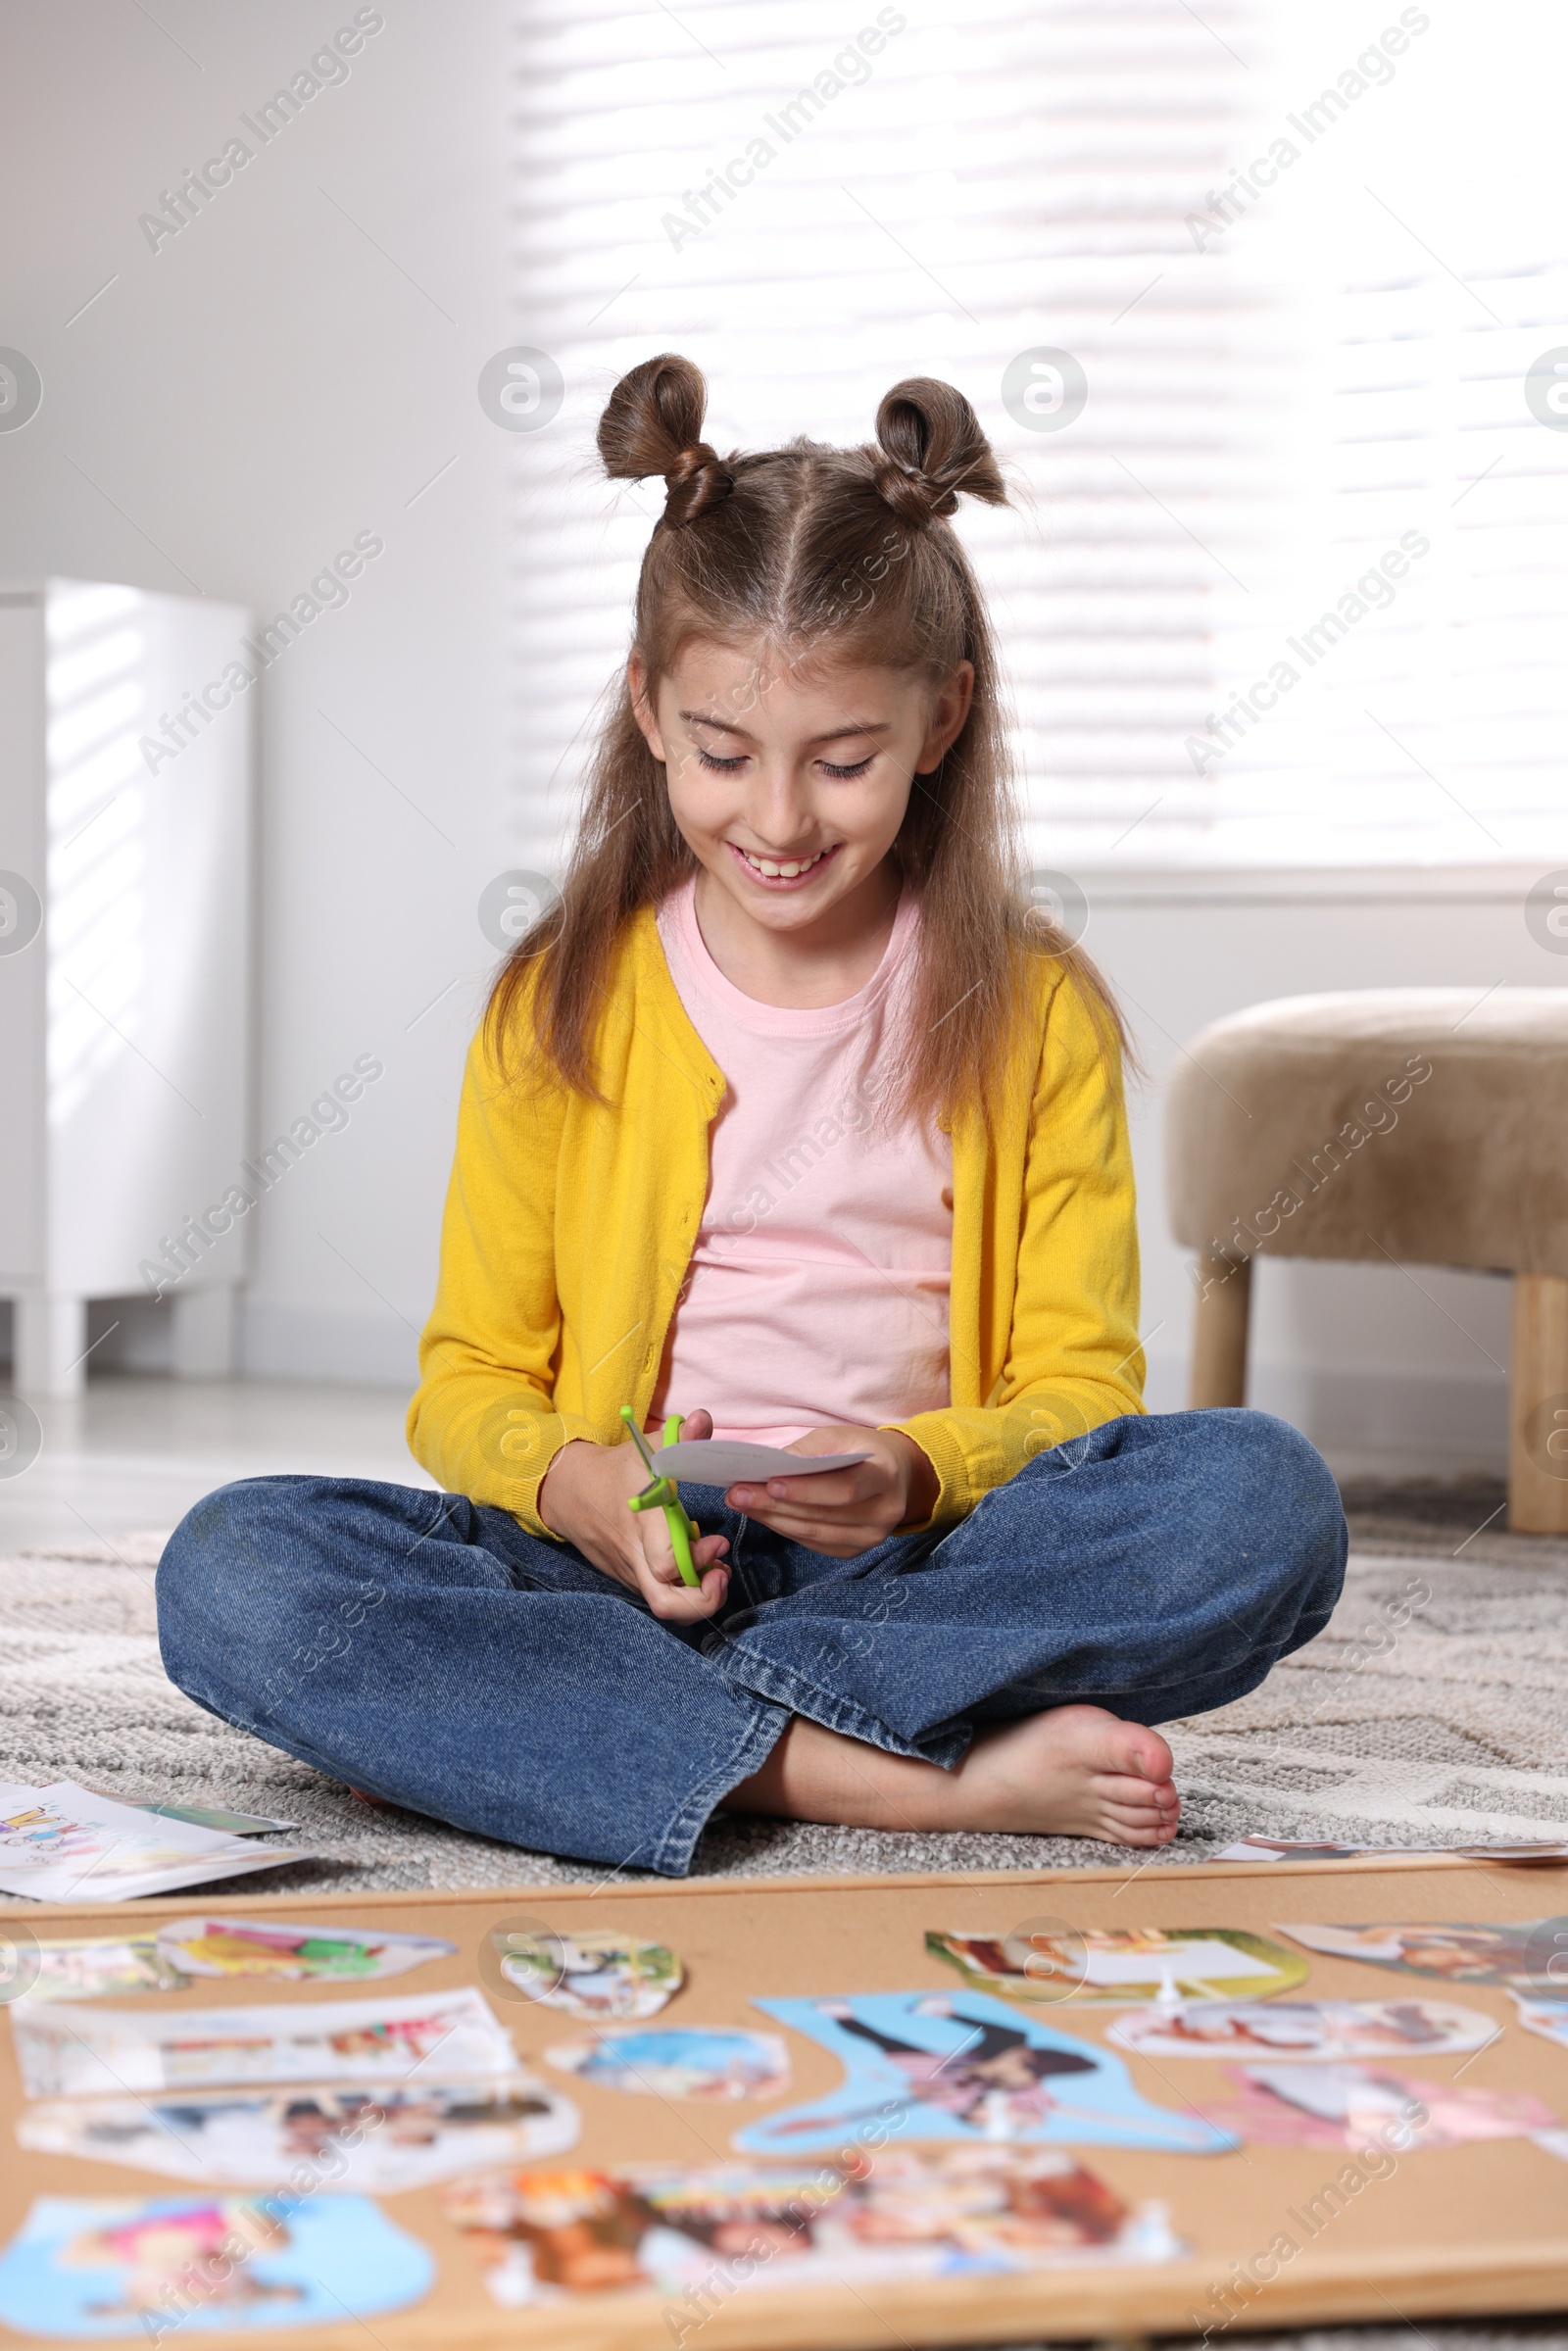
1449 2231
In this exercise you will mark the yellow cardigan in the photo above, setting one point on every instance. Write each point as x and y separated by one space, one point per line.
570 1226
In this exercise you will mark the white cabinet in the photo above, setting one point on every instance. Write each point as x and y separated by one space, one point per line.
125 757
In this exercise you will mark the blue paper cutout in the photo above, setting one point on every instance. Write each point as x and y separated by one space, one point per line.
965 2066
127 2266
679 2061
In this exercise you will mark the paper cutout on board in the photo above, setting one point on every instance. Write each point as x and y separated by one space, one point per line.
602 1975
373 2142
1549 2018
546 2237
96 1966
82 2268
1125 1964
930 2065
692 2061
312 1952
1357 2106
1530 1955
105 2052
1317 2030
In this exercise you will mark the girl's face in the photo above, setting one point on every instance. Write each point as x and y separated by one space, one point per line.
790 783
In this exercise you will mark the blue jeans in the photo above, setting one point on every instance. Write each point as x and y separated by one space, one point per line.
429 1650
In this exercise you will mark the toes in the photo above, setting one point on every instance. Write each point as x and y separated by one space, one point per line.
1138 1795
1150 1756
1129 1819
1144 1830
1117 1834
1105 1741
1134 1746
1134 1808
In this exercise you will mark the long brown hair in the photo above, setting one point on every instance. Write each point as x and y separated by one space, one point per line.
843 554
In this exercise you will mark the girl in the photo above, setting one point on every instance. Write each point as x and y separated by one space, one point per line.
786 1117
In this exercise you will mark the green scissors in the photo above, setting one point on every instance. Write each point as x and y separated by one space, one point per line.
662 1494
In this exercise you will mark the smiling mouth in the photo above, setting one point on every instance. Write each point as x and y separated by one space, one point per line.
781 869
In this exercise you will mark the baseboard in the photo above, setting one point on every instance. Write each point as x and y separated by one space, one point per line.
1456 1421
293 1343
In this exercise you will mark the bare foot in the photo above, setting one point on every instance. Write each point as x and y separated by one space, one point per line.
1076 1771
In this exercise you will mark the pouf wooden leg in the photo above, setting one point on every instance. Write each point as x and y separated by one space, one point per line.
1219 1333
1537 1406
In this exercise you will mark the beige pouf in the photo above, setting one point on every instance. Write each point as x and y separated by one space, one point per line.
1404 1126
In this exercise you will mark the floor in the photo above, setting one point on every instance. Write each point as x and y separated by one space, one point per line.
134 1454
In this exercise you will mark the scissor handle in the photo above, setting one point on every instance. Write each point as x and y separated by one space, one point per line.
662 1495
681 1531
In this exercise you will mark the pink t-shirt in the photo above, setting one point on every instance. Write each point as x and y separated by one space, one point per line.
819 1283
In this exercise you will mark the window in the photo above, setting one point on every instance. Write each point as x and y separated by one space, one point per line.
1282 385
1418 257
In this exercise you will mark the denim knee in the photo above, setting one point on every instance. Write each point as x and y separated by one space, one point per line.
1283 1496
221 1550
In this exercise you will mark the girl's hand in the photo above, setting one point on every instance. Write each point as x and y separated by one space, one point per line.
845 1512
583 1499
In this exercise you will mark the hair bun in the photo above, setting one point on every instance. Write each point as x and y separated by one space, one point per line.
696 481
653 423
933 449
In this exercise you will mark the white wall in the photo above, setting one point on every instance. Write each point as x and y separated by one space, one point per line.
227 414
233 408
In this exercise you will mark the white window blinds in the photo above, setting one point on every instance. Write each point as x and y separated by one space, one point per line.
1416 578
812 203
